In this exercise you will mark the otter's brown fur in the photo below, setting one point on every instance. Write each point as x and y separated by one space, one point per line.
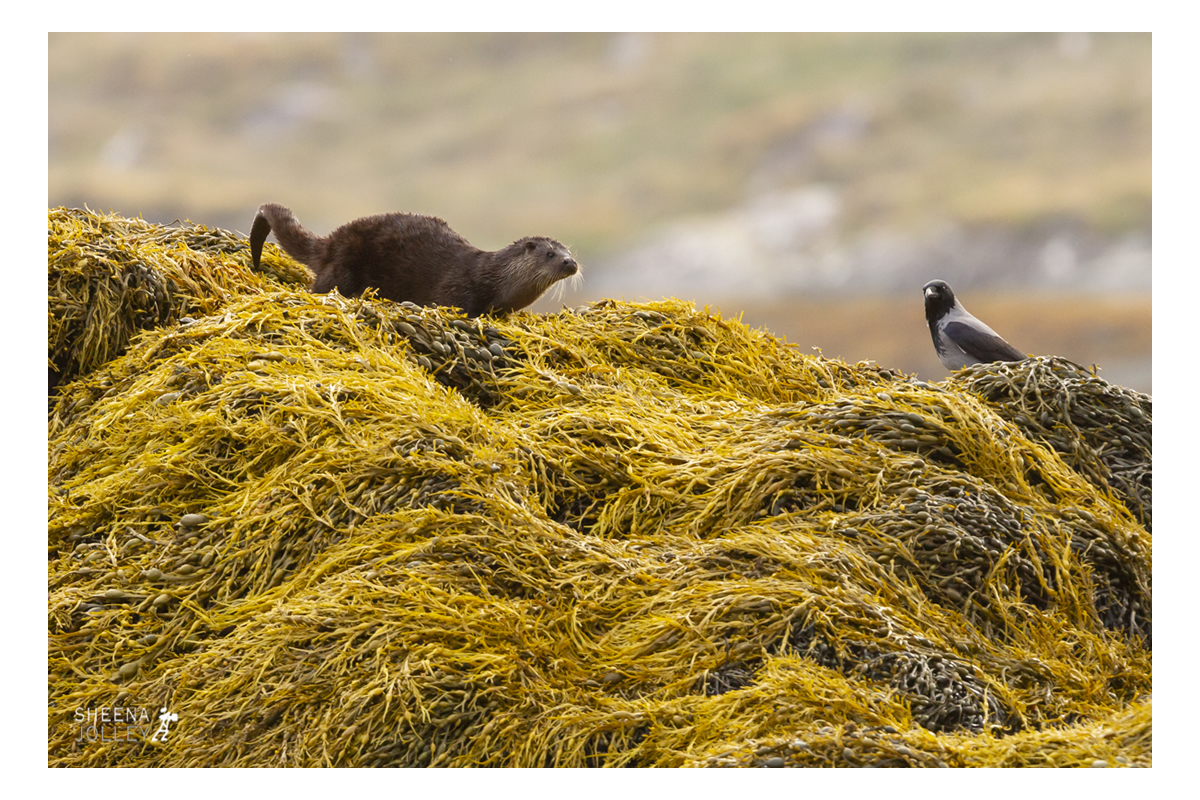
419 259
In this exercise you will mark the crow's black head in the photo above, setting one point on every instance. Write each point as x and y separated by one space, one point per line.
939 299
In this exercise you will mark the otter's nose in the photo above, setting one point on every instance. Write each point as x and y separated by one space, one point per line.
569 266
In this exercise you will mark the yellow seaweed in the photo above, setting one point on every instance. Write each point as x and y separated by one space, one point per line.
621 535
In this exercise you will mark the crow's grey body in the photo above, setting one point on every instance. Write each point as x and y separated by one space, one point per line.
959 338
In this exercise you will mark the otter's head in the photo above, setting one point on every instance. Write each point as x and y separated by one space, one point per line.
531 266
550 256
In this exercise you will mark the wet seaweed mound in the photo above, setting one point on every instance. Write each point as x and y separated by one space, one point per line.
110 277
322 531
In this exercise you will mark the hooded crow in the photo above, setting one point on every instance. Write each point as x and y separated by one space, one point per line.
959 338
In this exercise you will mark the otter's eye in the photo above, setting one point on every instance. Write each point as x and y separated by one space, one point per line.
549 255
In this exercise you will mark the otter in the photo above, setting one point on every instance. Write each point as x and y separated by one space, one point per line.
419 259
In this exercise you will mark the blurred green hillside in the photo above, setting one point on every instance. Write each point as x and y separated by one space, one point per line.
601 137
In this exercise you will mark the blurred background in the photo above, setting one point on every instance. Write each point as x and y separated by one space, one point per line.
808 183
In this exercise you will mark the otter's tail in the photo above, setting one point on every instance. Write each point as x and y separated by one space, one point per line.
295 240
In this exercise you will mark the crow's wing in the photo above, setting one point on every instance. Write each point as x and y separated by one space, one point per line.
981 344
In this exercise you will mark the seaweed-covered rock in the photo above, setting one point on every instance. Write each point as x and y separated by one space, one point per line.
110 277
323 531
1101 430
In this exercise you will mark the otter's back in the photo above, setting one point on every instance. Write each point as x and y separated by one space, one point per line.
404 256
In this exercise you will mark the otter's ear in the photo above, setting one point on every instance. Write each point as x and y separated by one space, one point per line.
531 246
